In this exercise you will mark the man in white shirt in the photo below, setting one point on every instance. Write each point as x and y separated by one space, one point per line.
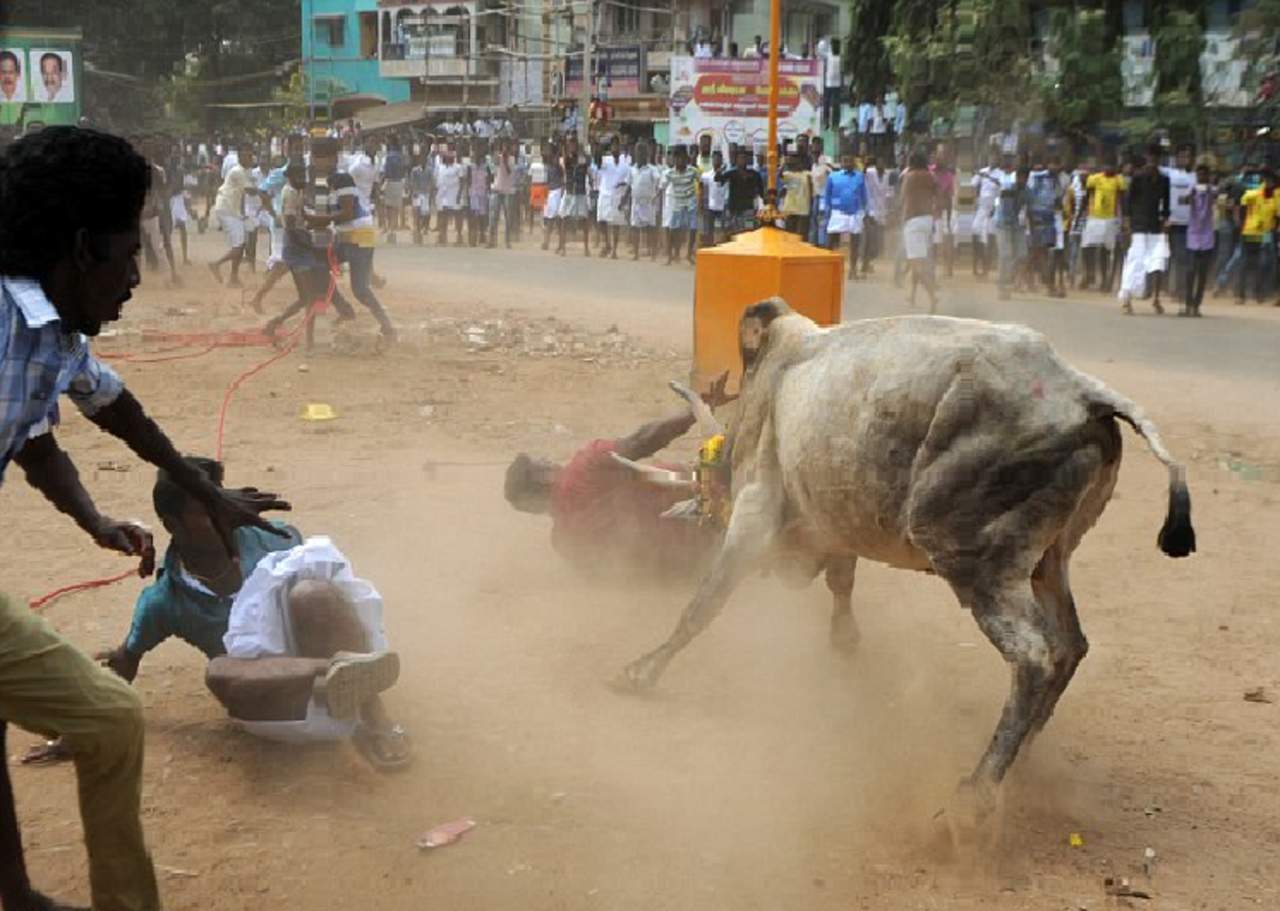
832 83
1181 182
360 167
229 161
644 184
819 170
715 194
252 217
449 199
986 187
612 174
877 212
230 209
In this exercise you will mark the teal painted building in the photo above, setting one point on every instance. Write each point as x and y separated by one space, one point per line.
340 43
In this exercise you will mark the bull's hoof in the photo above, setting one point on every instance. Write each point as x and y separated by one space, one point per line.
639 676
974 818
845 635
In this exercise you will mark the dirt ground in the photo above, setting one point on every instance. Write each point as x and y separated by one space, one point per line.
766 772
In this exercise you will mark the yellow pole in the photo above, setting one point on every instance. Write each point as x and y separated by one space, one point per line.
775 53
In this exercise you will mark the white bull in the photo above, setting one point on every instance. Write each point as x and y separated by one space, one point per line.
958 447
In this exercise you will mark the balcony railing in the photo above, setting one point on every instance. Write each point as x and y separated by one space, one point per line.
445 68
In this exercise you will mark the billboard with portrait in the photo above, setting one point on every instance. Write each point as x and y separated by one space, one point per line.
729 99
53 78
13 75
41 77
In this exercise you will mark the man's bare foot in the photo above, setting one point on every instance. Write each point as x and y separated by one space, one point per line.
217 273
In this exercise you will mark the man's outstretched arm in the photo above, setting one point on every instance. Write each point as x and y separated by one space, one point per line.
125 419
51 471
657 435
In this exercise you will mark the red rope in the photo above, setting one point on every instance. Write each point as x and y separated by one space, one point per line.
222 340
317 307
38 603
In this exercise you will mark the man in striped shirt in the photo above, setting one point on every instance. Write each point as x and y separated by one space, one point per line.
681 183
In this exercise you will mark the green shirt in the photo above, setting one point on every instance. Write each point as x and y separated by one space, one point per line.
173 606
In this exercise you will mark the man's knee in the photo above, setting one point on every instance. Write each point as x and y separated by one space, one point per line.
324 620
114 718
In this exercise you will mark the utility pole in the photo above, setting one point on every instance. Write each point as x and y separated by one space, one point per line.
588 77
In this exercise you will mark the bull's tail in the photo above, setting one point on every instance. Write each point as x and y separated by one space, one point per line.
1177 538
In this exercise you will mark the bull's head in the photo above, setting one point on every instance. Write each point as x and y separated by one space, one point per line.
753 329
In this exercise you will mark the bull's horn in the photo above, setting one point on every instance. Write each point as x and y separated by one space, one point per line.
685 510
659 476
707 422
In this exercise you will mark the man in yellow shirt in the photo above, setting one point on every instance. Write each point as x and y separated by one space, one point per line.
1257 231
1102 225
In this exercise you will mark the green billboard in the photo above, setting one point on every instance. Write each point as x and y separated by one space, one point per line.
41 76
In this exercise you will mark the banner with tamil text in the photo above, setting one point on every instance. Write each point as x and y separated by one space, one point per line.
729 99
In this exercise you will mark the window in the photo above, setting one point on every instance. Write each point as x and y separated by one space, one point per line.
331 31
1221 14
368 34
1135 15
626 18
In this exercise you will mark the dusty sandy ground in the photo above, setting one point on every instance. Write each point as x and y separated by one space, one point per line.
766 772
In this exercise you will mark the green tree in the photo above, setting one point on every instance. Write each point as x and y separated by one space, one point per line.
1179 101
1258 31
1086 88
865 57
146 46
963 52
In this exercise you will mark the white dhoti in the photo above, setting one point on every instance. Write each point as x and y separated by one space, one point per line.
277 244
845 222
178 209
983 227
609 209
644 212
259 626
1147 253
1100 232
552 208
917 236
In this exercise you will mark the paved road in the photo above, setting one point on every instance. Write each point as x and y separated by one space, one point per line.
655 300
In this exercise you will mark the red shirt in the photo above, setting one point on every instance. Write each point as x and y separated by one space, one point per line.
605 517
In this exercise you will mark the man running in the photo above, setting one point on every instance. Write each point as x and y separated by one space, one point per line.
230 210
919 209
352 223
1147 214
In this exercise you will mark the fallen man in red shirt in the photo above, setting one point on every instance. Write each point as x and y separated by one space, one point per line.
606 515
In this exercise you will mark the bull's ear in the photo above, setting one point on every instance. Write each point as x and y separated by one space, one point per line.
753 329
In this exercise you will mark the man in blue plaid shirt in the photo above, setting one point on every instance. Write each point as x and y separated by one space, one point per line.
70 201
